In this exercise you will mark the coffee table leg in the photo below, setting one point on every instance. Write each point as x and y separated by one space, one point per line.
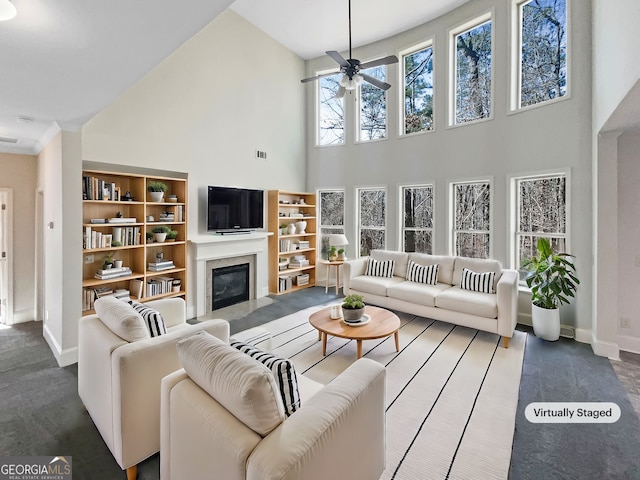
359 343
324 344
397 341
319 335
337 278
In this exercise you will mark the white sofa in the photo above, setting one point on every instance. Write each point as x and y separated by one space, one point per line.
230 424
446 301
119 380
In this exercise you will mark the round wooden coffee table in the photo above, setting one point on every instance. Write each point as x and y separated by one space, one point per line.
383 324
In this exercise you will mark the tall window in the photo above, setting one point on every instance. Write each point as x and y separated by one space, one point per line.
330 111
417 213
372 124
471 219
372 209
472 55
331 217
541 212
542 55
418 90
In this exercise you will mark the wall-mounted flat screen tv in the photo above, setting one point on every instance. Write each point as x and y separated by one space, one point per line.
232 209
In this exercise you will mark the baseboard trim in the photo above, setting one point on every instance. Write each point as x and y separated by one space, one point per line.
63 357
23 317
605 349
629 344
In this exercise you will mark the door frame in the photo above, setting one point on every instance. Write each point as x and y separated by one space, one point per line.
6 198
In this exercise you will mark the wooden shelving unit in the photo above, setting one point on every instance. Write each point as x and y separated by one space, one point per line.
104 198
285 208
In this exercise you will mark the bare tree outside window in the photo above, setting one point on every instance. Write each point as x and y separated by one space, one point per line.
472 219
331 217
417 204
372 206
373 107
543 51
473 74
542 213
418 90
330 112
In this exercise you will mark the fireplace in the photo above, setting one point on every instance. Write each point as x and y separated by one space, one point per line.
230 285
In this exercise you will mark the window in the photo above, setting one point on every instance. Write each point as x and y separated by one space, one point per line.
330 111
417 67
471 236
417 214
372 124
372 207
541 58
331 217
541 211
471 47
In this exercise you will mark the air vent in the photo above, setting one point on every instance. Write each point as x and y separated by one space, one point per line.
8 140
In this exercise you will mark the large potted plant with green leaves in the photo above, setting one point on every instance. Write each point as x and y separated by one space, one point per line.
553 282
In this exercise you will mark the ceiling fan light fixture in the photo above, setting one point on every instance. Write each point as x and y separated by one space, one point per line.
351 83
7 10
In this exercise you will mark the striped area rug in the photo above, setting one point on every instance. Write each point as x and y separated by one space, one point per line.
452 392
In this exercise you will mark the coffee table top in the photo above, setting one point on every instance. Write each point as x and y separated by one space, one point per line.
383 323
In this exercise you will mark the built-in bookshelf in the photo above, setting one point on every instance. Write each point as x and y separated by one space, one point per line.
118 223
292 252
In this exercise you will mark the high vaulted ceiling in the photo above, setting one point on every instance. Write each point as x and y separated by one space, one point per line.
63 62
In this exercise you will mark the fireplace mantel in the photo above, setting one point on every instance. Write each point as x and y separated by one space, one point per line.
212 247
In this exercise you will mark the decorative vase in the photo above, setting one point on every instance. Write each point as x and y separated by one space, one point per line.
300 226
342 257
291 228
352 314
117 263
546 322
156 196
160 237
333 258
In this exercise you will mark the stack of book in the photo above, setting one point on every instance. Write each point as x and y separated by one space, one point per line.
166 217
302 244
298 261
160 265
283 264
109 273
285 282
286 245
158 286
122 294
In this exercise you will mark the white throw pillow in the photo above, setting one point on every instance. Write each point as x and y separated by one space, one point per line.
422 273
380 268
246 388
121 319
152 318
477 282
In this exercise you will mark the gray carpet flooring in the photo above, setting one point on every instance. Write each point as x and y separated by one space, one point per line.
41 413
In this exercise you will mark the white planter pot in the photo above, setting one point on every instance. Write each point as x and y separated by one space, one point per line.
546 323
156 196
159 237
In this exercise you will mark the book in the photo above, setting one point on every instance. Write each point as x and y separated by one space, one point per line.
121 220
135 287
102 271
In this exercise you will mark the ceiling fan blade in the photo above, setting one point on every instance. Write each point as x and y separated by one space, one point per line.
338 58
340 92
374 81
381 61
305 80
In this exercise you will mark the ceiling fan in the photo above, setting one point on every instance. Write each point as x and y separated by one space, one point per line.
351 69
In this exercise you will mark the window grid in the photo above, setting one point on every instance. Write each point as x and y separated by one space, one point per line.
417 218
471 219
371 214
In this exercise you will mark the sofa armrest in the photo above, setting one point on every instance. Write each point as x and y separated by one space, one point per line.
173 310
507 291
351 269
331 433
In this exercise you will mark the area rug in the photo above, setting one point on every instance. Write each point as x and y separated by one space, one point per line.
451 392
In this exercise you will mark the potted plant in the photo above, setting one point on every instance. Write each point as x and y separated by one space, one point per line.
352 308
107 261
172 235
553 282
160 233
332 254
156 190
149 236
341 256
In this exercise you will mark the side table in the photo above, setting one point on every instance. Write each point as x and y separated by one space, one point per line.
329 264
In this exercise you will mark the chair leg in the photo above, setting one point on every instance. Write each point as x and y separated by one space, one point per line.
506 342
132 472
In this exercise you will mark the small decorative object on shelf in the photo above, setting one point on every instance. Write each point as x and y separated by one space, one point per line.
172 198
291 228
352 308
156 190
127 197
333 256
300 227
160 233
172 235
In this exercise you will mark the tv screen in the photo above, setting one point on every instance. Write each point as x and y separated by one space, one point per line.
233 209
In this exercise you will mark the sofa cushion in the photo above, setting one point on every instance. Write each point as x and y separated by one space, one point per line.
379 268
477 282
373 285
282 370
152 318
418 293
466 301
479 265
445 269
422 273
121 319
400 259
246 388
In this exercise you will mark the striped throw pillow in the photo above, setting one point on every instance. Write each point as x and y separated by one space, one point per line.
152 319
477 282
380 268
282 370
422 273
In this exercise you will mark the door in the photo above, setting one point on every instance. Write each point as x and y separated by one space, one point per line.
6 289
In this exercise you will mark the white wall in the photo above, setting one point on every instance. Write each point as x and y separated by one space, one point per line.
548 137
